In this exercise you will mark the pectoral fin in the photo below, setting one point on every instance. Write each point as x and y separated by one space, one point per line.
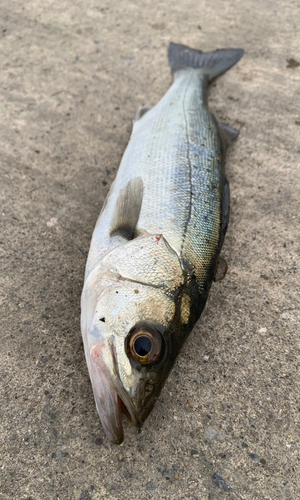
127 210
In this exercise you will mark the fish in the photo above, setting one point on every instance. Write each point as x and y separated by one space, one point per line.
156 244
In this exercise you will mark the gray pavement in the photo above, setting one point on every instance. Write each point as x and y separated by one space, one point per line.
226 426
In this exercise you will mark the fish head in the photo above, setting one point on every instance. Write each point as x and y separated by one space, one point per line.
133 331
129 350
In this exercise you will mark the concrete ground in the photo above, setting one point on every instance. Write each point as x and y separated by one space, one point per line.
226 426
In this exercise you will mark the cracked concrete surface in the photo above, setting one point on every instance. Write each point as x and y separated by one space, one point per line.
227 423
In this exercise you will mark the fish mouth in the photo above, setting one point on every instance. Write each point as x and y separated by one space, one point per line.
110 396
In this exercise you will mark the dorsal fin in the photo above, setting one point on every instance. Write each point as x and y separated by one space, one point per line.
142 110
127 209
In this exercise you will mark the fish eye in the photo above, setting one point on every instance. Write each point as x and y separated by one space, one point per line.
145 345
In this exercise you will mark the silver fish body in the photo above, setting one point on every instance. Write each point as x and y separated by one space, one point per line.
156 243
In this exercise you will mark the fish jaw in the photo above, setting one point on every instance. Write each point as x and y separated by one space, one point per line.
108 405
110 396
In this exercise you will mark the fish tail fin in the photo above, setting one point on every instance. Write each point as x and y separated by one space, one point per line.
213 63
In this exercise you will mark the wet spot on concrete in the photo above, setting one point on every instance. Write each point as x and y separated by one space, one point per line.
210 433
221 483
150 486
85 495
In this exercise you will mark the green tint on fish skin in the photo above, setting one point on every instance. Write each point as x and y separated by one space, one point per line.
157 241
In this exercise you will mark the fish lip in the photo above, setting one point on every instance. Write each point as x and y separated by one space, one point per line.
135 420
108 409
132 417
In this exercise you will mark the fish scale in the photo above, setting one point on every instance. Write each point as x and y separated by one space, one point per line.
178 200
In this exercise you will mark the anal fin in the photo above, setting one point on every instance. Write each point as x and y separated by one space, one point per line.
221 269
226 206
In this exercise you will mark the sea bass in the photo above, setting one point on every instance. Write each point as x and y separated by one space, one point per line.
156 244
